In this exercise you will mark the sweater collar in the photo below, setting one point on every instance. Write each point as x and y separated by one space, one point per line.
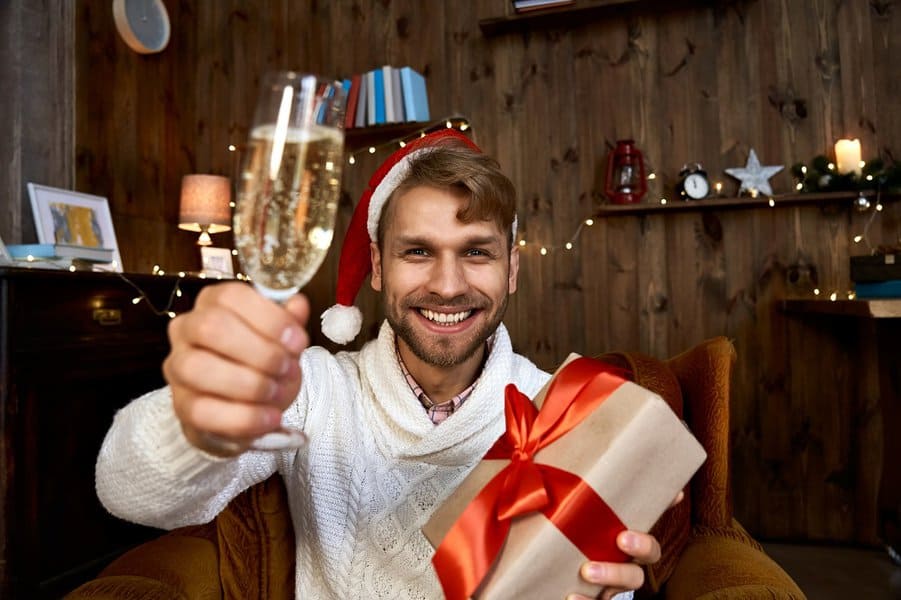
405 429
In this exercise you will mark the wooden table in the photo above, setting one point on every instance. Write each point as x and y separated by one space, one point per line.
880 327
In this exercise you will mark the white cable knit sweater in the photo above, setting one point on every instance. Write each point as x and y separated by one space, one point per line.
374 470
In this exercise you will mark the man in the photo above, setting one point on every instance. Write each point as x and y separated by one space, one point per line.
392 429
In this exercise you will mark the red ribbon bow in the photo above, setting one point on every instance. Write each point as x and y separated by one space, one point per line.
471 546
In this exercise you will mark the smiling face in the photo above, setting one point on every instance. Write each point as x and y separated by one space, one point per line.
444 282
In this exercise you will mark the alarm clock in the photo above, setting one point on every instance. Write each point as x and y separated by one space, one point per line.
693 183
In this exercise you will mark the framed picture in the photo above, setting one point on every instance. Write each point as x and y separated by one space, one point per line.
217 262
67 217
5 258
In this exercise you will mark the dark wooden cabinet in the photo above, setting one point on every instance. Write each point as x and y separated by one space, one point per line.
74 349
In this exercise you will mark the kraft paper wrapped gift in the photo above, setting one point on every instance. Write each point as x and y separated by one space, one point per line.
608 448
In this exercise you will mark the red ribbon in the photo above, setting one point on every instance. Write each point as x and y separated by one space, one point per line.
467 552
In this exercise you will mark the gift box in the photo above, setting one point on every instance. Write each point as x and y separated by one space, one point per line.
592 455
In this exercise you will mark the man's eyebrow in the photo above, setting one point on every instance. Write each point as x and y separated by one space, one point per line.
476 240
483 240
407 240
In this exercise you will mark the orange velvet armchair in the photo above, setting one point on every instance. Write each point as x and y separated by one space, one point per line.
248 550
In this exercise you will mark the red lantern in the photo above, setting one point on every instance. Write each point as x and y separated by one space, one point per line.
626 181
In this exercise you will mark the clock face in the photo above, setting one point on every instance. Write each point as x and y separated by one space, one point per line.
696 186
143 24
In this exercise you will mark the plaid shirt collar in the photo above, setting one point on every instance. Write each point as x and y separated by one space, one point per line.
437 412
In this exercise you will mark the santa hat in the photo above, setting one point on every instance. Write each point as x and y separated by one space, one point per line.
341 323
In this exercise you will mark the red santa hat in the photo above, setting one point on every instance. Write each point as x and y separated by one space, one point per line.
341 323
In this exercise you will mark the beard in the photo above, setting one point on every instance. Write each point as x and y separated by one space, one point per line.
444 351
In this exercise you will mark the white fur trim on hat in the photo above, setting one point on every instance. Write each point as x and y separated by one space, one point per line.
342 323
383 190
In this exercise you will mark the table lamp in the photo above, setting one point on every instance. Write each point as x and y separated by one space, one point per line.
205 206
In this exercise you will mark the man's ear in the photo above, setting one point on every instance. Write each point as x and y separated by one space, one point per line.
514 269
376 257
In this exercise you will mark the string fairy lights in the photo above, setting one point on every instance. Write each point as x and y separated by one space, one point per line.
143 297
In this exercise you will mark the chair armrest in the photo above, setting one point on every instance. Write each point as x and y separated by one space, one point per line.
726 563
182 564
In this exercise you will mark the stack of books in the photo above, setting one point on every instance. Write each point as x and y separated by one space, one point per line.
385 95
876 276
59 256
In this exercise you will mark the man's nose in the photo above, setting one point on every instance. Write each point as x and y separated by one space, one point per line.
447 278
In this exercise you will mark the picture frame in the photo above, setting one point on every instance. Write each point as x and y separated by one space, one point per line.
217 262
66 217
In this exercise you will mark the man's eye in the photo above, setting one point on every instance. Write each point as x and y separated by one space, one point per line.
478 252
416 252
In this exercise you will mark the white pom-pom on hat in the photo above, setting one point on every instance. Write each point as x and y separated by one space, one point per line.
341 323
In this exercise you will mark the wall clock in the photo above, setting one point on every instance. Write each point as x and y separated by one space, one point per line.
143 24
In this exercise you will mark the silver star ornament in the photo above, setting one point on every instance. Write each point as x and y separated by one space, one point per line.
754 177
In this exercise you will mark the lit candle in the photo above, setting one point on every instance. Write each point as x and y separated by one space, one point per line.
847 156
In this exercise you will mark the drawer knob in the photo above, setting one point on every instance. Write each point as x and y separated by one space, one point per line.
108 316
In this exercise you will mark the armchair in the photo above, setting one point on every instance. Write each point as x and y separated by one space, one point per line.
248 550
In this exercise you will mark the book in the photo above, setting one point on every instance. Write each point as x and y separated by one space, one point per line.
881 289
378 92
878 267
370 97
360 118
525 5
321 104
62 264
398 96
54 251
389 95
353 95
416 101
345 85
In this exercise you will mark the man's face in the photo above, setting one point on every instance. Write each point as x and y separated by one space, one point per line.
445 283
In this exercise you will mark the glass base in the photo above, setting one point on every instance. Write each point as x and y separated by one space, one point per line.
282 439
276 295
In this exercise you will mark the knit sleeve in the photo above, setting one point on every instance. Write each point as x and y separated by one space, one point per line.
149 473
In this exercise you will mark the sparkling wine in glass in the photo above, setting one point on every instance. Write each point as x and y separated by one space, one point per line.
288 191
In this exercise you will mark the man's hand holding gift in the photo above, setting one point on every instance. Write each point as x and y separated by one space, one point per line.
579 474
616 578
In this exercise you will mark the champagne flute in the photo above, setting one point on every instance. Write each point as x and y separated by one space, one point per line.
288 193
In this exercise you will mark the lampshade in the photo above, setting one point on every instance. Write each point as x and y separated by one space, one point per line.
205 206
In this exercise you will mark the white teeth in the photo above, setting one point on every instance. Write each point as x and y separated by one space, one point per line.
445 318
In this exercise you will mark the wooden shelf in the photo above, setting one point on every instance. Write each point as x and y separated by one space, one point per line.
870 309
576 13
779 200
358 138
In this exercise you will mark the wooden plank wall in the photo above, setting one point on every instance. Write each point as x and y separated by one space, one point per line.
693 83
37 106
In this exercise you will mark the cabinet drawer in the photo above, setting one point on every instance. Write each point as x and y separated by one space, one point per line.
74 309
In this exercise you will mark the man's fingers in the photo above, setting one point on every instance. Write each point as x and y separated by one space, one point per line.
230 420
228 380
262 315
299 306
679 497
614 576
643 548
223 332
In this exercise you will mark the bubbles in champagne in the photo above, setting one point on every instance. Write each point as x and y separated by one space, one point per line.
287 199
